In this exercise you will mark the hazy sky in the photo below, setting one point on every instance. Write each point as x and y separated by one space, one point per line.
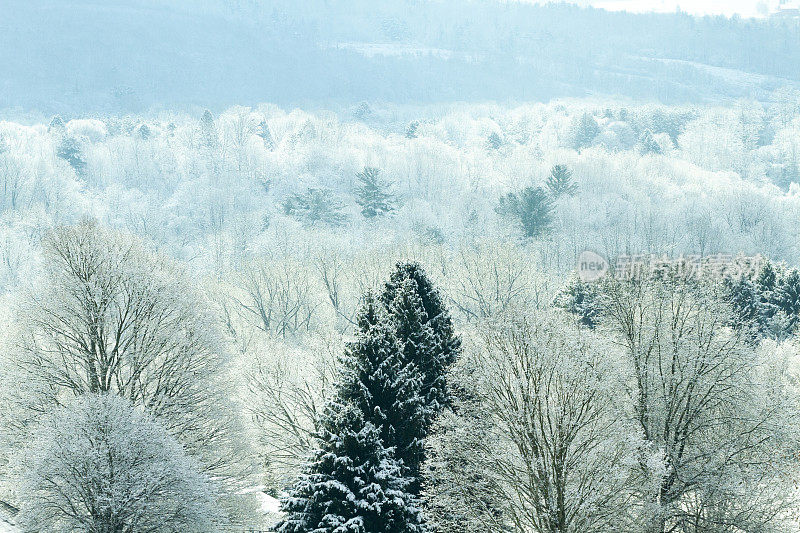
745 8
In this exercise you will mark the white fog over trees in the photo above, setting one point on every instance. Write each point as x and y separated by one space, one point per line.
414 266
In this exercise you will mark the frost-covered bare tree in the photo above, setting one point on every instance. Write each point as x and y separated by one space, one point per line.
108 315
99 464
287 388
332 271
489 279
276 298
710 404
535 442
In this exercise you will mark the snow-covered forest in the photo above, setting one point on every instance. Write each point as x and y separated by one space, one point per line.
365 315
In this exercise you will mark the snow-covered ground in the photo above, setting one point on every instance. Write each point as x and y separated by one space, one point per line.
270 506
6 527
6 523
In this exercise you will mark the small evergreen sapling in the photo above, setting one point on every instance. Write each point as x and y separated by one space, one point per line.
559 182
373 194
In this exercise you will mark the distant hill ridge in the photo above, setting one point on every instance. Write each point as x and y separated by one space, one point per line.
117 56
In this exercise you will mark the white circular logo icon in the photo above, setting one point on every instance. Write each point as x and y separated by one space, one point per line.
591 266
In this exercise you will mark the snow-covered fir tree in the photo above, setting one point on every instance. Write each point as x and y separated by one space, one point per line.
263 131
584 131
315 206
494 141
787 299
353 485
356 481
378 379
742 294
418 351
582 299
531 208
208 131
410 277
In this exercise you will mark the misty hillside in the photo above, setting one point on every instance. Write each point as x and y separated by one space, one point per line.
78 56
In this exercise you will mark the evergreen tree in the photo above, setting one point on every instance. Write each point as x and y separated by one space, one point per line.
446 344
765 285
264 132
648 145
494 141
356 482
70 151
428 345
584 132
363 111
208 131
143 132
789 173
56 124
787 299
419 354
582 300
673 123
741 293
315 206
411 130
559 181
769 305
374 195
767 279
532 208
353 484
378 380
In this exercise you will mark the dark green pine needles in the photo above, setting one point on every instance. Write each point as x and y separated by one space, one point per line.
364 476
